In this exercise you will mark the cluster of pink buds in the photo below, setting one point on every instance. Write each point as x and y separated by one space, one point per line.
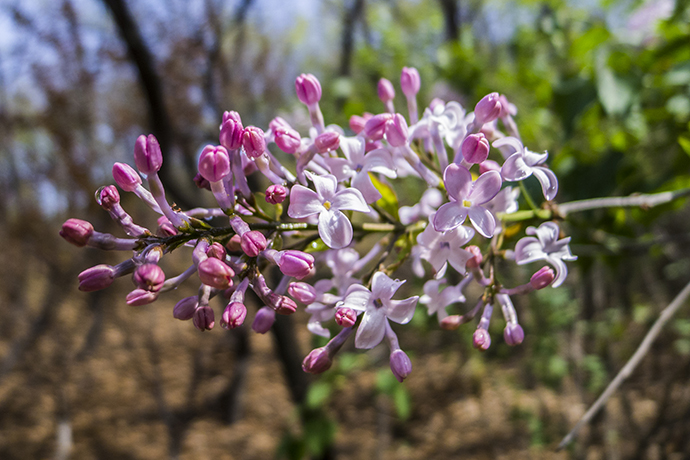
332 189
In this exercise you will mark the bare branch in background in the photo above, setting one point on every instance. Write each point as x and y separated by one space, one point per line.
450 19
353 14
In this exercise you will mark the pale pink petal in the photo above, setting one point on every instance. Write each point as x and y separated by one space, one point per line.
357 297
458 180
362 182
401 311
350 198
304 202
324 185
561 271
383 287
449 216
340 168
316 328
527 250
510 142
548 181
335 229
353 148
458 258
547 233
534 159
371 329
486 187
483 220
515 168
380 161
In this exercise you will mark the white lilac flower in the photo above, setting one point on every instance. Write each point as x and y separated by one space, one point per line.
467 196
378 307
546 246
335 228
442 248
437 300
524 163
357 166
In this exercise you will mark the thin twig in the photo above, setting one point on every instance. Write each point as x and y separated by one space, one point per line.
645 201
630 366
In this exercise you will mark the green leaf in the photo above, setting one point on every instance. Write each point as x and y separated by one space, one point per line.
684 144
316 246
318 394
388 201
402 402
615 93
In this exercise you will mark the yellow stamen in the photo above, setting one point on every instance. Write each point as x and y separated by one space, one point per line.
327 205
466 203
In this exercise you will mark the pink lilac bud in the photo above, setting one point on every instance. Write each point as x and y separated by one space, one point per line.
287 139
401 366
278 123
214 163
203 318
147 154
308 89
253 242
276 194
317 361
397 131
481 340
295 263
126 177
253 141
476 259
217 251
263 320
96 278
489 165
149 277
475 148
357 123
233 316
215 273
282 305
375 127
324 143
165 227
108 197
410 82
201 183
507 109
487 109
385 90
513 334
185 308
234 244
77 232
451 323
436 102
302 292
542 278
345 317
141 297
231 131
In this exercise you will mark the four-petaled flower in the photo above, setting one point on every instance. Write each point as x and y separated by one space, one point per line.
524 163
378 307
335 228
442 248
546 246
437 300
467 196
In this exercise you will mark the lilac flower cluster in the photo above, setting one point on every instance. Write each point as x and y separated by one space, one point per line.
334 189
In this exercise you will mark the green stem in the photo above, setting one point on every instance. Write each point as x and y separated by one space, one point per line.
528 197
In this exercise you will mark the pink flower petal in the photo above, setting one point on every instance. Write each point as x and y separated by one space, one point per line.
371 329
548 181
324 185
401 311
515 168
362 182
351 199
383 287
449 216
335 229
458 180
527 250
486 187
304 202
483 220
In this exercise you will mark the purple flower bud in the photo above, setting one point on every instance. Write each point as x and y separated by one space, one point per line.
283 305
481 340
410 82
126 177
147 154
357 123
401 366
302 292
141 297
263 320
204 318
489 165
385 90
149 277
345 317
231 115
451 323
253 242
476 259
376 126
216 250
396 131
325 142
279 123
201 183
231 131
108 197
96 278
436 102
165 227
215 273
295 263
253 141
276 194
513 334
185 308
233 316
308 89
234 244
77 232
475 148
287 139
487 109
317 361
542 278
214 163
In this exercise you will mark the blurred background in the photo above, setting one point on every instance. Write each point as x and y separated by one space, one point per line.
603 85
